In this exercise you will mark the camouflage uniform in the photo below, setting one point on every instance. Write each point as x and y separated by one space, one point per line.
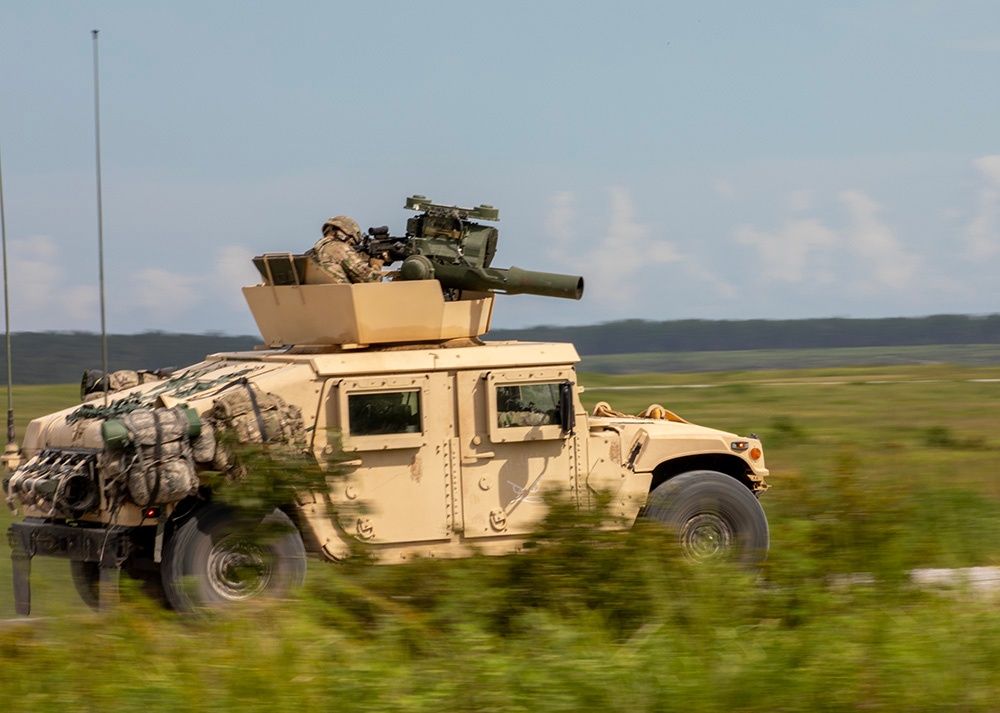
337 258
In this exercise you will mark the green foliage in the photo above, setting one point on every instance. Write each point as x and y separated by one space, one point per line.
944 437
873 473
838 521
263 477
958 527
586 619
784 430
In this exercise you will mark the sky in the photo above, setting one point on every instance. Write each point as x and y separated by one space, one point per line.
696 160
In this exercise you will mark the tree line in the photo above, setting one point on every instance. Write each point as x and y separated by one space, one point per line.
695 335
62 357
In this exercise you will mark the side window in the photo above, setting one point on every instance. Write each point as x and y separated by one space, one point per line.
383 413
527 404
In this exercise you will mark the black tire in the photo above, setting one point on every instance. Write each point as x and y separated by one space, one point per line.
86 579
714 515
215 558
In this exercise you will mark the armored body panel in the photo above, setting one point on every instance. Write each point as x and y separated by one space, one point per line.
365 314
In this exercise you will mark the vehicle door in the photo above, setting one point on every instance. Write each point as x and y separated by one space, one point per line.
396 434
514 446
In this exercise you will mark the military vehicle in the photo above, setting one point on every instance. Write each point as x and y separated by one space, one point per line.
444 444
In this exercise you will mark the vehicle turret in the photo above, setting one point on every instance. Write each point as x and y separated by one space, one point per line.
442 290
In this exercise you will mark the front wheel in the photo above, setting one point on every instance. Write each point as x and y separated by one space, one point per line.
715 517
216 557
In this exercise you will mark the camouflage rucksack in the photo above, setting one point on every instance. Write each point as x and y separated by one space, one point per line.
151 449
253 416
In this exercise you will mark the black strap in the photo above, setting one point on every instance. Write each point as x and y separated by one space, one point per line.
157 457
256 410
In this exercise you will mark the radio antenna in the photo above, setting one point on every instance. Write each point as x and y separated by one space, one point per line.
6 315
100 222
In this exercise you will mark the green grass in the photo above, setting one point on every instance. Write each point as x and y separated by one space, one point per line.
883 470
973 355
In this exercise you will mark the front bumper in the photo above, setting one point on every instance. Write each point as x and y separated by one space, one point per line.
108 546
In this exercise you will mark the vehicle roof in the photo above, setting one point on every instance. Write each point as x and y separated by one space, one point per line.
416 359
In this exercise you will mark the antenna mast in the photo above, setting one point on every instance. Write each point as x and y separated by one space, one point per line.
100 222
6 315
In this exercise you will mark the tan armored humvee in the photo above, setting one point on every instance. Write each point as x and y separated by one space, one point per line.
449 445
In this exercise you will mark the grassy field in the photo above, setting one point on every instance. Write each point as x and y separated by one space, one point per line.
875 469
972 355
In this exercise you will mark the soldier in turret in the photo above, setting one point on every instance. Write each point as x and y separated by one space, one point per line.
338 259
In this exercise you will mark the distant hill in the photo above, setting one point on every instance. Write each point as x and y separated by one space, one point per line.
693 335
62 357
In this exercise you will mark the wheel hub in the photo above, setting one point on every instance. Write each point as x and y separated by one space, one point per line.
238 569
706 536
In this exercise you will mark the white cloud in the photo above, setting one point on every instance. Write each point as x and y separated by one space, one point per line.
786 254
724 189
626 257
990 168
233 270
624 253
170 299
559 221
800 201
79 305
982 234
42 296
882 255
163 295
805 250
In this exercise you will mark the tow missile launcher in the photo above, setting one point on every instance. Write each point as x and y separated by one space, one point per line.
444 244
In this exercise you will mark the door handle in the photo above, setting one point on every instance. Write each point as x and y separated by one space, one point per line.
470 459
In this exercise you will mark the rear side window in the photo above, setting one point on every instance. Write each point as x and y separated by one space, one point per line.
372 414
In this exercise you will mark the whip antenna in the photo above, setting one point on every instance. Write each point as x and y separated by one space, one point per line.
6 315
100 222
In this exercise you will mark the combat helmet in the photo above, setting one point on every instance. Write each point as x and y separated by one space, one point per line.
344 224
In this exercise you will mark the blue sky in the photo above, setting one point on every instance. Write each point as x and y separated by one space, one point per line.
712 160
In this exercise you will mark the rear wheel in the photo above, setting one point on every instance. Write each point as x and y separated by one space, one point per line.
217 558
86 579
715 517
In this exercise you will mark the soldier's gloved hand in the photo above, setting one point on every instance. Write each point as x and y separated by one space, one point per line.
376 262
